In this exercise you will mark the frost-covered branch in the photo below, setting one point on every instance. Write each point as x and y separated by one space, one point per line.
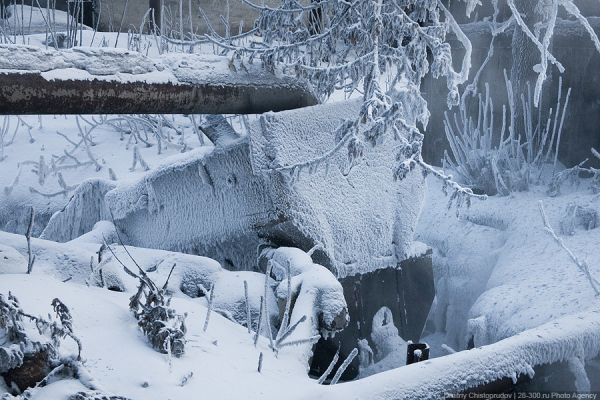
345 364
459 193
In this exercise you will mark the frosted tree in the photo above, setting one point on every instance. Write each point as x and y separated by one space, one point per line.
382 49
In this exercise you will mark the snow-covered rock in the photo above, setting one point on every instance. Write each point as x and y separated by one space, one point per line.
103 231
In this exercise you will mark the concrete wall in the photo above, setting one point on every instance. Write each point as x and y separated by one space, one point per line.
112 11
571 46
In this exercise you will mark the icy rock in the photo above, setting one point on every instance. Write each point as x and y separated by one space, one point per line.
578 217
34 368
11 261
312 285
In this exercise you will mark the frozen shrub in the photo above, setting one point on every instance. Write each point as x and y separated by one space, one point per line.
30 350
164 328
576 175
95 395
502 161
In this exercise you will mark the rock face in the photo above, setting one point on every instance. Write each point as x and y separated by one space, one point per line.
85 208
226 202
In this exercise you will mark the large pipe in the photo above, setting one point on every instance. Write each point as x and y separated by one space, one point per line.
83 81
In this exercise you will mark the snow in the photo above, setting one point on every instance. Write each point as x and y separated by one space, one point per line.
124 65
96 61
11 261
555 341
497 272
122 362
500 279
117 355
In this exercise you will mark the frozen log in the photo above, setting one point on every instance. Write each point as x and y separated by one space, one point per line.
116 81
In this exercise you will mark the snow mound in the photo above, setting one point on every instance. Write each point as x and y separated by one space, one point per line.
11 261
96 61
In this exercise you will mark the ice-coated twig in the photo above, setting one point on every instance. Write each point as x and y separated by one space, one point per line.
112 175
137 157
210 306
248 316
332 364
459 193
288 303
288 331
186 378
260 362
310 340
266 305
86 142
259 322
581 264
448 349
31 257
345 364
169 277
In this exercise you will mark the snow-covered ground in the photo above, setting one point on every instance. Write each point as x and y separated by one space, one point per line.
498 272
223 360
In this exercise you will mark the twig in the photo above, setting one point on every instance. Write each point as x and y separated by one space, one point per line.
31 258
248 316
342 368
334 361
259 322
210 305
260 361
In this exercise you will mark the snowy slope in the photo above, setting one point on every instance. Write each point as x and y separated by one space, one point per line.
223 360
